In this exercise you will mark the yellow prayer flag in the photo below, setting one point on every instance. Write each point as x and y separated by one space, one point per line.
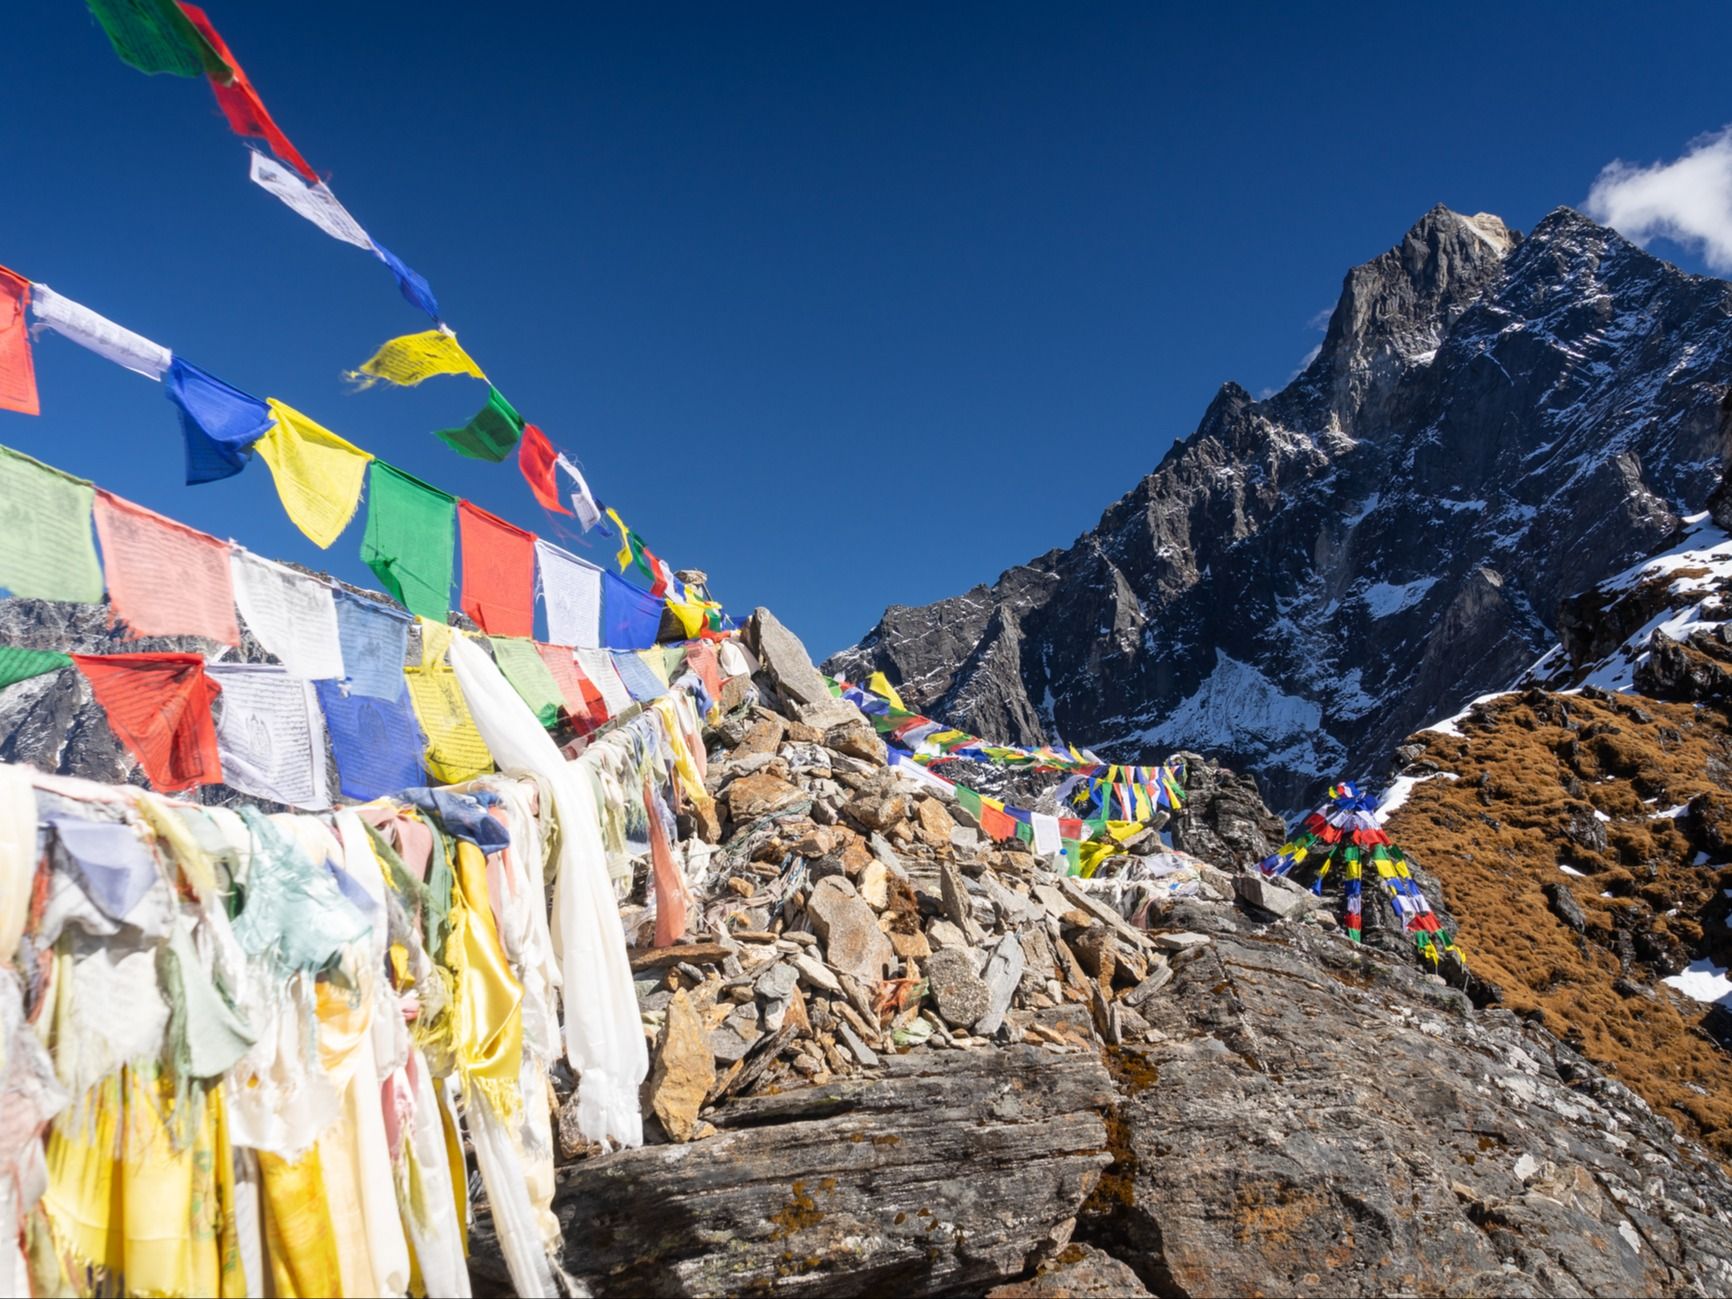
455 750
879 684
410 358
691 615
318 474
623 555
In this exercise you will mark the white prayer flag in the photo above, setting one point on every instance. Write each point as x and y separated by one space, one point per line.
315 202
271 735
100 334
292 616
571 590
582 502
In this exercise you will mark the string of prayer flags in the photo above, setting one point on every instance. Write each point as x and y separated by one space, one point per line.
292 615
218 423
314 202
159 706
571 594
528 674
491 432
17 368
99 334
240 103
318 474
409 541
583 702
45 519
633 553
498 572
583 502
537 461
410 359
270 735
376 742
375 644
155 36
20 664
164 578
631 618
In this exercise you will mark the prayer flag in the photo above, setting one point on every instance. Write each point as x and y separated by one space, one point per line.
410 359
701 657
410 283
98 333
524 668
155 36
1046 836
409 540
271 735
583 504
246 112
17 369
490 434
631 618
292 615
995 821
375 641
569 681
314 202
571 593
455 750
159 706
597 666
879 684
20 664
318 474
536 459
498 572
164 578
45 519
640 682
218 423
375 741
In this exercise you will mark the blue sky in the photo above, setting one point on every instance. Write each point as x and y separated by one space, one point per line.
848 305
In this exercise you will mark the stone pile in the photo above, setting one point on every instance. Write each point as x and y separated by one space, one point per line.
845 912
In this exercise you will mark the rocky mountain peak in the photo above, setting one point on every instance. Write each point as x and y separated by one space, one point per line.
1492 423
1393 309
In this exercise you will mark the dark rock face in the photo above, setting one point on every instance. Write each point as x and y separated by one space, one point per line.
1223 821
1492 424
950 1173
1327 1122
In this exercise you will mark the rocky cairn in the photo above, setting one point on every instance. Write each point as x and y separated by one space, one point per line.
892 1055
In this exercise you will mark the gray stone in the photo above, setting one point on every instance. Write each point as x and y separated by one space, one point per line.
1002 975
853 943
1279 897
1564 905
943 935
815 972
736 1035
957 907
856 1048
801 686
1180 942
960 994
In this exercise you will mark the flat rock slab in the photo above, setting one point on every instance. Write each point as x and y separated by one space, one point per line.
951 1171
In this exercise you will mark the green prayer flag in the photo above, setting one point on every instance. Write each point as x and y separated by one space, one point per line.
528 674
155 36
410 540
967 799
21 664
491 435
45 519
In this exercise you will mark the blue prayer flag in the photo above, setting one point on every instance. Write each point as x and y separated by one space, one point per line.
413 286
220 423
377 743
375 640
630 617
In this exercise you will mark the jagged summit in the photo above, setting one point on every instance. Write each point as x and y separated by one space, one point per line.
1493 422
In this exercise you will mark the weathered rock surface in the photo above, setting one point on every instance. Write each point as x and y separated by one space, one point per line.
1321 1121
949 1173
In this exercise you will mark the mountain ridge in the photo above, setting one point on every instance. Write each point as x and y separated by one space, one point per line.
1407 470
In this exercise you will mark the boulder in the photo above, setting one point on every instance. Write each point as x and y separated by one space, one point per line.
960 994
853 943
684 1070
760 794
800 685
1278 897
1002 975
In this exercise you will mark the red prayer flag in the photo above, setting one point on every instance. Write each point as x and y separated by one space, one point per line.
241 103
998 823
701 658
592 697
536 458
498 572
17 371
159 705
563 669
164 578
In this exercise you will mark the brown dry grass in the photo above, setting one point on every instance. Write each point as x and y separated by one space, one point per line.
1534 768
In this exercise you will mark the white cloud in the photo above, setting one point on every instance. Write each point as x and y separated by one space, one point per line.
1687 200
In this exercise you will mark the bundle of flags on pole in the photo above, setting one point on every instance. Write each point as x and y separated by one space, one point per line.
1346 828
